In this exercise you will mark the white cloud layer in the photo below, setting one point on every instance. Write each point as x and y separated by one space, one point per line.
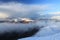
54 13
22 9
55 17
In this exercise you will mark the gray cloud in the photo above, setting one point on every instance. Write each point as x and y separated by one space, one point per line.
23 10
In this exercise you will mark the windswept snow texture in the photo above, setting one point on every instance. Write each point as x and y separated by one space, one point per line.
50 31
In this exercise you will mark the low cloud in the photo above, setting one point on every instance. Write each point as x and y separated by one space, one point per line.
55 17
54 13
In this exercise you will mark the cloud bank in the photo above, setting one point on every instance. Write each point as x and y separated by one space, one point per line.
18 9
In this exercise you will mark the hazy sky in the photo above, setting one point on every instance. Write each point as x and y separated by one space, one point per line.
34 9
20 8
23 8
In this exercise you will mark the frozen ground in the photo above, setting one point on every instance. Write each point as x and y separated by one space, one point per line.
50 31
